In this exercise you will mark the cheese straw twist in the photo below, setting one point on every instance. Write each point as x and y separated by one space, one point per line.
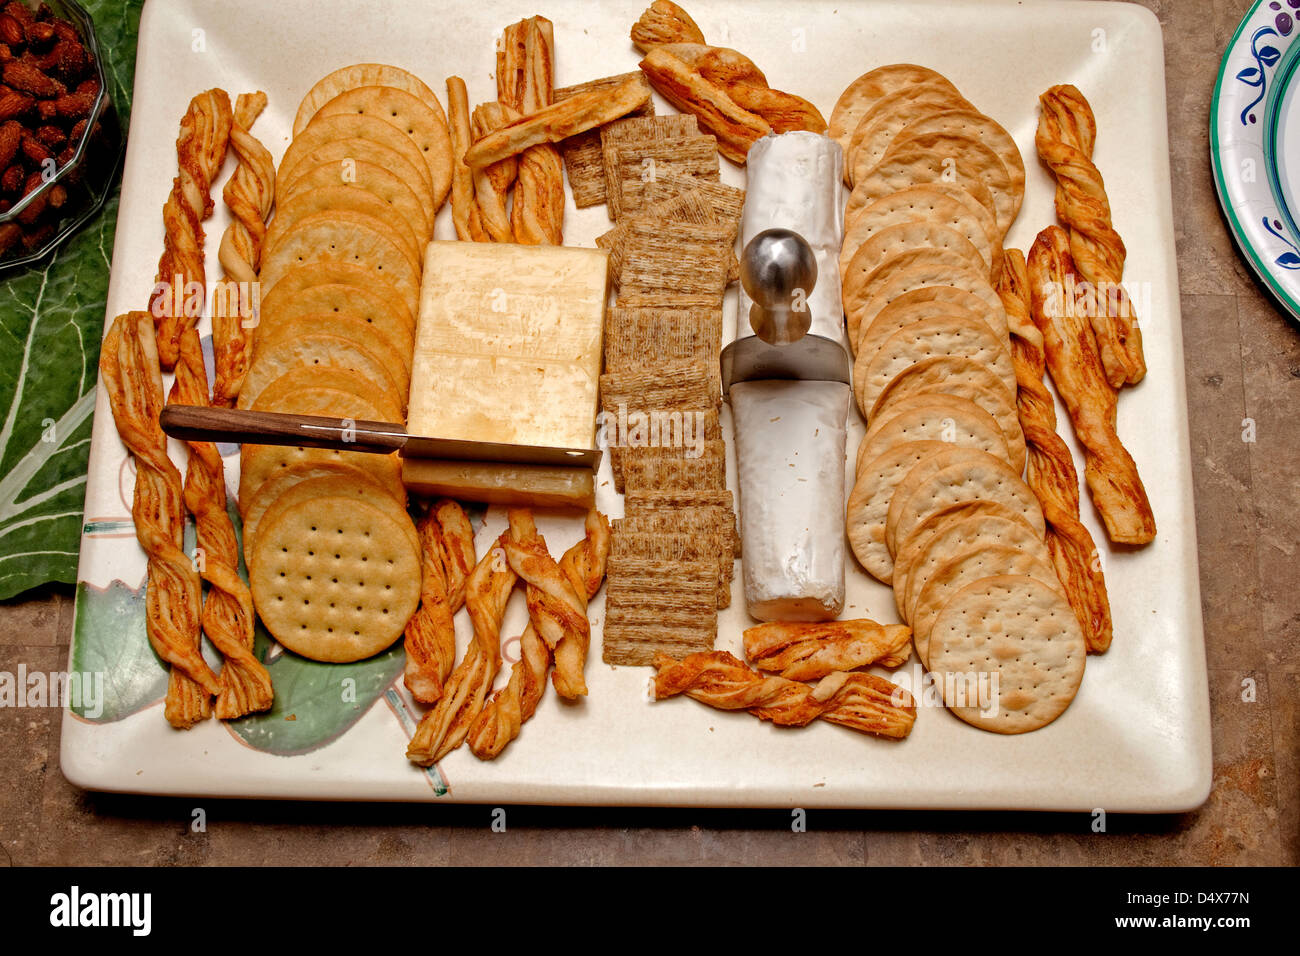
525 82
861 701
200 152
583 566
465 213
811 650
1072 360
128 364
492 183
250 195
445 727
1066 132
1051 472
447 547
228 609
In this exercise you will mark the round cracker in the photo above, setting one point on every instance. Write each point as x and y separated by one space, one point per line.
325 199
377 180
344 300
956 476
343 394
1024 632
868 290
879 125
959 376
349 128
348 483
868 503
324 352
943 334
966 568
269 492
411 116
343 237
949 532
909 305
863 93
928 202
341 160
362 74
258 463
893 241
967 156
988 130
360 286
336 579
905 166
943 418
398 362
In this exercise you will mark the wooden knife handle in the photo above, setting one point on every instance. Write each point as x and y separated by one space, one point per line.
193 423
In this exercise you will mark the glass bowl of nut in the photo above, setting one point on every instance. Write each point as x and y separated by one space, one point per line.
60 138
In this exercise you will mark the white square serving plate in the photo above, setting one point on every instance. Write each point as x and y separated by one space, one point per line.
1137 737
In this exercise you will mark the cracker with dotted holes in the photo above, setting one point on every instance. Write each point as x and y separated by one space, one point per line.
410 116
260 463
379 181
970 123
302 152
322 351
868 503
342 198
958 375
397 338
880 124
343 161
343 237
940 203
351 327
956 476
952 531
336 579
966 568
339 284
1019 629
362 74
917 305
906 166
929 338
934 417
344 394
903 237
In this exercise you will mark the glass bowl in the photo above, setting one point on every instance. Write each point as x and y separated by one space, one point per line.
65 181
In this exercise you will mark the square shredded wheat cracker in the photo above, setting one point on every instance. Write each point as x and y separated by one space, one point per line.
670 335
634 165
583 158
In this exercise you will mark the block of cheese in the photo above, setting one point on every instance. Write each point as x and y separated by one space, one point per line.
508 344
794 182
539 486
790 441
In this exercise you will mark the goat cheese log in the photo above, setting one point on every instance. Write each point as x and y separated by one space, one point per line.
790 435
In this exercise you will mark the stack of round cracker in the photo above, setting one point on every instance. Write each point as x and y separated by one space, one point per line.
333 557
939 509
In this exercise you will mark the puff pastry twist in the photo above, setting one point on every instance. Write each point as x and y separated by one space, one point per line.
1066 132
128 365
200 152
525 83
447 549
1051 472
808 651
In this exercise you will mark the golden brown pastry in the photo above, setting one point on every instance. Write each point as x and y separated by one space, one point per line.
861 701
1050 470
525 82
464 204
128 364
808 651
228 609
1066 132
250 195
664 22
446 558
492 183
1089 398
200 152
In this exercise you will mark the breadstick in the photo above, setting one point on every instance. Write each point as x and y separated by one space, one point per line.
228 609
735 127
447 555
525 82
464 206
559 121
503 717
250 195
1051 471
200 152
1066 132
664 22
445 727
813 650
492 183
861 701
1076 369
128 364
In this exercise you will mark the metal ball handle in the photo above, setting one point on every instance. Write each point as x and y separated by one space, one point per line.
778 270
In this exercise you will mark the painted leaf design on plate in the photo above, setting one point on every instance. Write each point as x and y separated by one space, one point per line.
51 321
108 638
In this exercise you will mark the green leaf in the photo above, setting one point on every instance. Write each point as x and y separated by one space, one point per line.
51 322
109 638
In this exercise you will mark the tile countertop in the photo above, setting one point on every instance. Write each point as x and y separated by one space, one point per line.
1243 361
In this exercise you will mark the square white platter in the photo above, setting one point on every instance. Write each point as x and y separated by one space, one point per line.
1136 738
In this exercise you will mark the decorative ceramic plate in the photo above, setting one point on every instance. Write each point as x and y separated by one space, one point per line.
1135 739
1255 144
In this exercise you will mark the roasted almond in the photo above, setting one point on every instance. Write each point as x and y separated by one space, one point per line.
11 135
11 31
14 104
12 179
74 105
24 75
35 150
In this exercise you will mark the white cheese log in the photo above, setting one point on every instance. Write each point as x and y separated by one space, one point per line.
794 183
790 453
